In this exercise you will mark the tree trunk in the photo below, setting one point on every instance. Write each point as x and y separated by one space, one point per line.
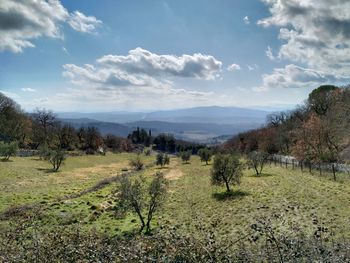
227 186
333 170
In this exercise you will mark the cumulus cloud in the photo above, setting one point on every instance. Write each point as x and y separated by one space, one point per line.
86 24
315 32
292 76
141 68
143 75
233 67
21 21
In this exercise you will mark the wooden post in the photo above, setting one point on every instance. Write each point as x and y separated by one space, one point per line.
319 167
286 164
301 166
293 164
333 170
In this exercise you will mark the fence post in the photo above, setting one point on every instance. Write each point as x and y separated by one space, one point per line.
293 164
320 168
333 170
286 164
301 166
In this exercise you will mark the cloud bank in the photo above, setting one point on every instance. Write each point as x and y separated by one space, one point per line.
21 21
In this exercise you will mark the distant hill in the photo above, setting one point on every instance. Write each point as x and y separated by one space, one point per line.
104 127
212 114
200 124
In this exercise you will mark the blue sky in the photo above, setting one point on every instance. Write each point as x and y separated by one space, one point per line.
162 54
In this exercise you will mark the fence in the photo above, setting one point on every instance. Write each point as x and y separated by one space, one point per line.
285 160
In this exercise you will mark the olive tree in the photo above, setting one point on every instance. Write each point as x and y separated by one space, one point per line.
257 160
56 158
185 156
205 154
8 149
162 159
144 200
227 170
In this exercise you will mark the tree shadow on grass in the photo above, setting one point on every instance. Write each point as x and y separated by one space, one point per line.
223 196
6 160
262 175
47 170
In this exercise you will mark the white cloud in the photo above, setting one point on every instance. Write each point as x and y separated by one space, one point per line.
252 67
65 50
142 79
21 21
246 20
86 24
233 67
28 90
141 68
315 32
292 76
269 53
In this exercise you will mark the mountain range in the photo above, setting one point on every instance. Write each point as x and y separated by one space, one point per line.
200 124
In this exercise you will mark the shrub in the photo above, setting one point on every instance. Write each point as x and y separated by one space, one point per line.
8 149
136 163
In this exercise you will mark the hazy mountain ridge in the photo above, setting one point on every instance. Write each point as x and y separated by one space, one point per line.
201 124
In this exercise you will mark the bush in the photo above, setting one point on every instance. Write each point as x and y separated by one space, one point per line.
8 149
136 163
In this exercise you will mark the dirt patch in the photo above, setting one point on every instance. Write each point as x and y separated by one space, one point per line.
174 174
109 169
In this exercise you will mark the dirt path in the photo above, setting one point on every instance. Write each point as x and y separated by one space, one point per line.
175 173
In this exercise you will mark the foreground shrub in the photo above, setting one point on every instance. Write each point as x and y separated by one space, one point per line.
26 242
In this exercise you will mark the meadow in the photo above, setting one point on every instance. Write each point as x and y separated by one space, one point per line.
193 206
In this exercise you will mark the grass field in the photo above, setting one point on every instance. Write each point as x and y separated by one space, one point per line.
192 203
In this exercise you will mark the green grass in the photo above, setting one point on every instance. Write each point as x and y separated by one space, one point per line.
193 206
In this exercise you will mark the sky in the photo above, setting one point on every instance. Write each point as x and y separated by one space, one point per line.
136 55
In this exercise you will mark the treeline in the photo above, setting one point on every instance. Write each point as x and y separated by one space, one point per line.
42 129
315 132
